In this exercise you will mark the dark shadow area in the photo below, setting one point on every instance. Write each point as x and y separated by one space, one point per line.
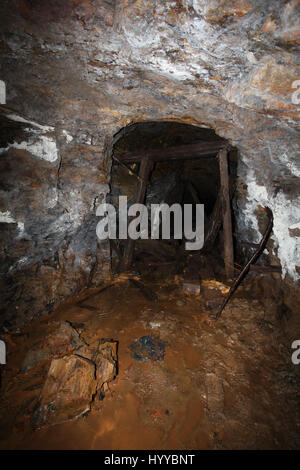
185 171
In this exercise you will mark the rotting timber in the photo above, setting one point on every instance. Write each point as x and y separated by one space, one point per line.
147 159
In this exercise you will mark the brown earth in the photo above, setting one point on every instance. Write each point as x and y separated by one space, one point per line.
228 384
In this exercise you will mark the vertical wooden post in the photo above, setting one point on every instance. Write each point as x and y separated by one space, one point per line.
144 172
227 223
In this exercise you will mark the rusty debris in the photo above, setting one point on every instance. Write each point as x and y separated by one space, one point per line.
252 260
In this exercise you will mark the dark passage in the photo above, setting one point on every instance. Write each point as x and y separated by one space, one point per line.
184 170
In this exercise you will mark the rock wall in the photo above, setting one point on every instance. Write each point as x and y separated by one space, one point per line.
79 71
49 190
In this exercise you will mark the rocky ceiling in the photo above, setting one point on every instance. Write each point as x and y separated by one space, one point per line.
78 71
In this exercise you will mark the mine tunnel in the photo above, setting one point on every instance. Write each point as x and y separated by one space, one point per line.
149 227
185 170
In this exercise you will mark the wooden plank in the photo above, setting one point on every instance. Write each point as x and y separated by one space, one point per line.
193 192
130 171
144 172
147 293
227 223
104 286
184 152
215 219
257 268
158 248
214 224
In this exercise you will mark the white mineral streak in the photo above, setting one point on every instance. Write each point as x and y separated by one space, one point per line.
52 198
21 227
286 216
14 117
38 144
68 137
7 218
42 147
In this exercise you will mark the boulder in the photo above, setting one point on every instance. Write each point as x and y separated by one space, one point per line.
64 339
68 391
74 380
191 287
106 364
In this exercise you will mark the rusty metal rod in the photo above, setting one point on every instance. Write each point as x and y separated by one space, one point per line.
253 258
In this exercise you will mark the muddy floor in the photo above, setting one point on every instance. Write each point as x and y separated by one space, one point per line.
228 384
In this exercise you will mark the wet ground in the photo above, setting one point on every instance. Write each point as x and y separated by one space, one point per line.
228 384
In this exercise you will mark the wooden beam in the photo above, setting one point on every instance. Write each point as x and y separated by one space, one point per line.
214 224
144 172
227 223
181 152
193 192
148 293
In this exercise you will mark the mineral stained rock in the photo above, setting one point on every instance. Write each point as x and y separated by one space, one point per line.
215 393
74 380
148 347
77 73
106 364
191 287
68 390
64 339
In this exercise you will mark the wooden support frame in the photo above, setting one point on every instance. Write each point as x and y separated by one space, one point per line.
215 220
181 152
227 222
186 152
146 166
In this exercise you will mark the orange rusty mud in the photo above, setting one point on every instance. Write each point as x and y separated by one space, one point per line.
222 385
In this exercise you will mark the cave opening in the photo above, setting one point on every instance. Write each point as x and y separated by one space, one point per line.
185 170
140 342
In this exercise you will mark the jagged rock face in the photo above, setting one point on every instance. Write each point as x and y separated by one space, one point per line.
75 374
82 70
73 381
68 390
62 340
47 218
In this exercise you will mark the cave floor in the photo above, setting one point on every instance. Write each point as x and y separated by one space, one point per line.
221 385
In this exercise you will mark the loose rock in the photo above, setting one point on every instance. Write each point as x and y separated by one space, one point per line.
68 390
74 380
148 347
64 339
